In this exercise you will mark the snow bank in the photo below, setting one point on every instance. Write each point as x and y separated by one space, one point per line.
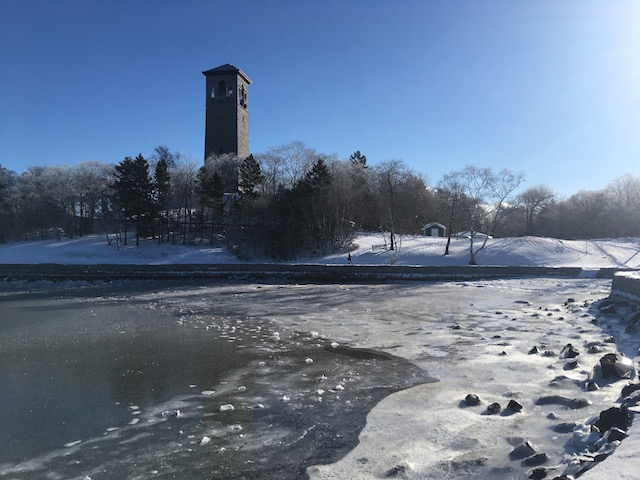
368 249
516 251
94 249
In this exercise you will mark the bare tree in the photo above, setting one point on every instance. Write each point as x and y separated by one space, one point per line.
533 200
589 214
5 229
226 166
626 190
488 192
298 159
625 211
285 165
272 167
391 174
183 187
452 187
414 204
163 153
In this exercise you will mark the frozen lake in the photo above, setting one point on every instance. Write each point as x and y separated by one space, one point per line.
145 380
140 385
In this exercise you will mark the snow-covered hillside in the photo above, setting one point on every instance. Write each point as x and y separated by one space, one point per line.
413 250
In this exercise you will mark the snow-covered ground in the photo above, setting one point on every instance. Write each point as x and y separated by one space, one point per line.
412 250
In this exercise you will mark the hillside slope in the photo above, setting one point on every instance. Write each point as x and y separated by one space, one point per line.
412 250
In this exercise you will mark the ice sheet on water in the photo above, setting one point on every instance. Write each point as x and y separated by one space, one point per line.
430 433
286 434
487 354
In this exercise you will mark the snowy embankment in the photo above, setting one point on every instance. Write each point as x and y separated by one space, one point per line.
368 249
515 251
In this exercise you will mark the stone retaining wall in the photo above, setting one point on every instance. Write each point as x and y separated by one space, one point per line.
269 272
626 285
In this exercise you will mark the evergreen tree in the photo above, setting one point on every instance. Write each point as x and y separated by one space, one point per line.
306 220
123 191
249 176
143 198
318 177
3 204
358 159
133 191
162 181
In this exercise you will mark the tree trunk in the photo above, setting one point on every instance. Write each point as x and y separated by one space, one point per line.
451 218
472 254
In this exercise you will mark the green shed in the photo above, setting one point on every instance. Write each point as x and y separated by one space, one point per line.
433 229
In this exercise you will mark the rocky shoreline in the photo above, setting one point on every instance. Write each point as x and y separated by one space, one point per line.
598 437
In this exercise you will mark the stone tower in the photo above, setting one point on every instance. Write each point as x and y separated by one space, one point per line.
227 117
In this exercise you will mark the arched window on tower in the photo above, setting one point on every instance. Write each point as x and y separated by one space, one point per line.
243 96
222 88
213 92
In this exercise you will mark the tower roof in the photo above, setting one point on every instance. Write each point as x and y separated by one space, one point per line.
226 69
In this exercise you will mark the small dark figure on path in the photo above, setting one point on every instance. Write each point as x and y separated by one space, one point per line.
349 259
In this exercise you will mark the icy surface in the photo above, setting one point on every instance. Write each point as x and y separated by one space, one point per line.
186 382
404 356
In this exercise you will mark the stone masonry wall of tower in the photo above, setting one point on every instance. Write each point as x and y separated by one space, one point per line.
227 112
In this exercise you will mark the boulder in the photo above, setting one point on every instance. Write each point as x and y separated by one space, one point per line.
616 435
629 389
400 471
569 351
632 399
565 427
592 386
595 349
538 473
616 365
494 409
562 400
514 406
472 400
524 450
614 417
572 364
536 459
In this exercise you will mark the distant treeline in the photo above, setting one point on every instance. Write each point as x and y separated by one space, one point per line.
292 201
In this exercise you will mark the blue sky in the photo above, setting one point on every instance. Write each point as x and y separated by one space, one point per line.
550 88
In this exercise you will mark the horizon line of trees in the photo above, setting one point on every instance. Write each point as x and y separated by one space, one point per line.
292 201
